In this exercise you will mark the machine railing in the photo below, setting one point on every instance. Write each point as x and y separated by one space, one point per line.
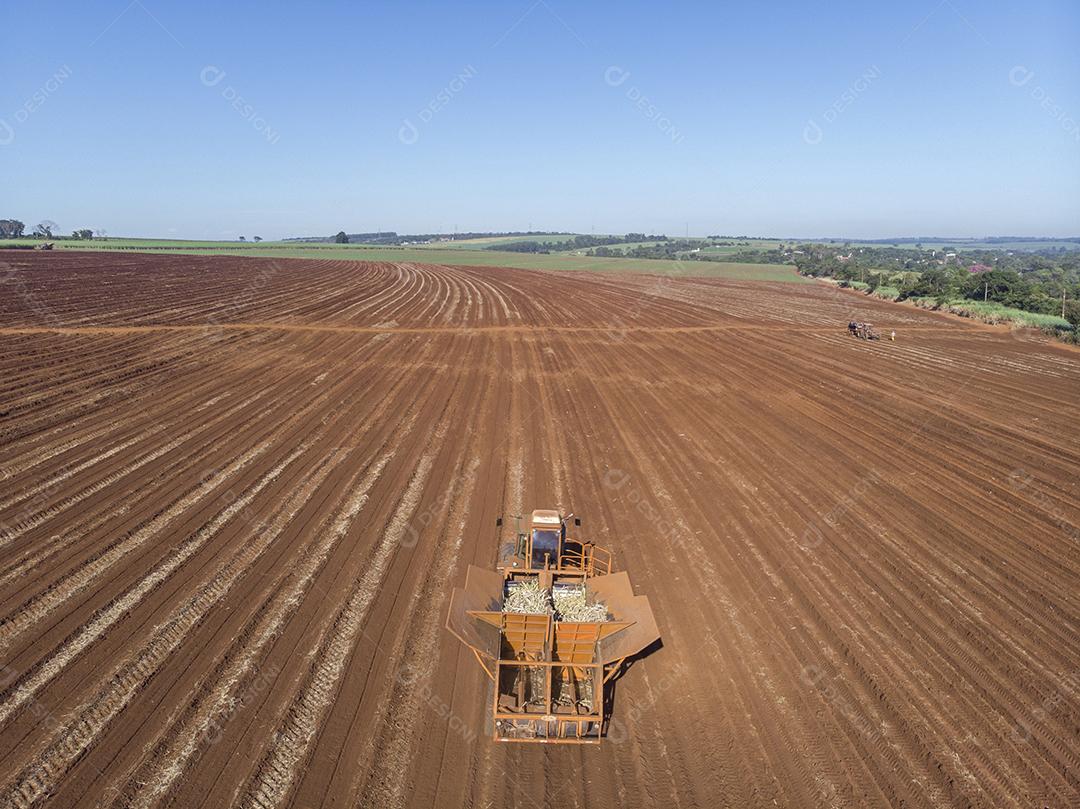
592 560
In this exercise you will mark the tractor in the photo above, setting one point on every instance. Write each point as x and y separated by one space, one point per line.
551 626
864 331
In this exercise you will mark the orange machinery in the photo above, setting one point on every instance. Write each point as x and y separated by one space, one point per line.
552 677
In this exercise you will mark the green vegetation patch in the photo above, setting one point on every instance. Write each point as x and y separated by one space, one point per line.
451 256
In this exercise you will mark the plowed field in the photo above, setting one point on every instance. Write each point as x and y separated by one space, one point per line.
235 494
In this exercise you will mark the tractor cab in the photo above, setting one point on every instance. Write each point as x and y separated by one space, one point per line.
545 547
545 540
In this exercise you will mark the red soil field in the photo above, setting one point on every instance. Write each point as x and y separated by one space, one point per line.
236 493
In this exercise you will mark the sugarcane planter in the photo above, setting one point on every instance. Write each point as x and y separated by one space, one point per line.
551 626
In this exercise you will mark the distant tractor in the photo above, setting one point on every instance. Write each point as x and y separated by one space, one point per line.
44 246
551 626
864 331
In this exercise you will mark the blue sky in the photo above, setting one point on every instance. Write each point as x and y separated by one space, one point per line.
211 120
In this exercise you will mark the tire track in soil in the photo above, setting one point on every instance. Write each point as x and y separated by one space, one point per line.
278 772
50 600
171 764
41 552
234 506
119 607
330 600
340 733
265 631
37 778
414 655
75 579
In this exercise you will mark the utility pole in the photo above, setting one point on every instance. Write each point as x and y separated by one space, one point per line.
986 290
1063 301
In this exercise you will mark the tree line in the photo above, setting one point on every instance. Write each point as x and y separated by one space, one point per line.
45 229
1044 283
579 242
